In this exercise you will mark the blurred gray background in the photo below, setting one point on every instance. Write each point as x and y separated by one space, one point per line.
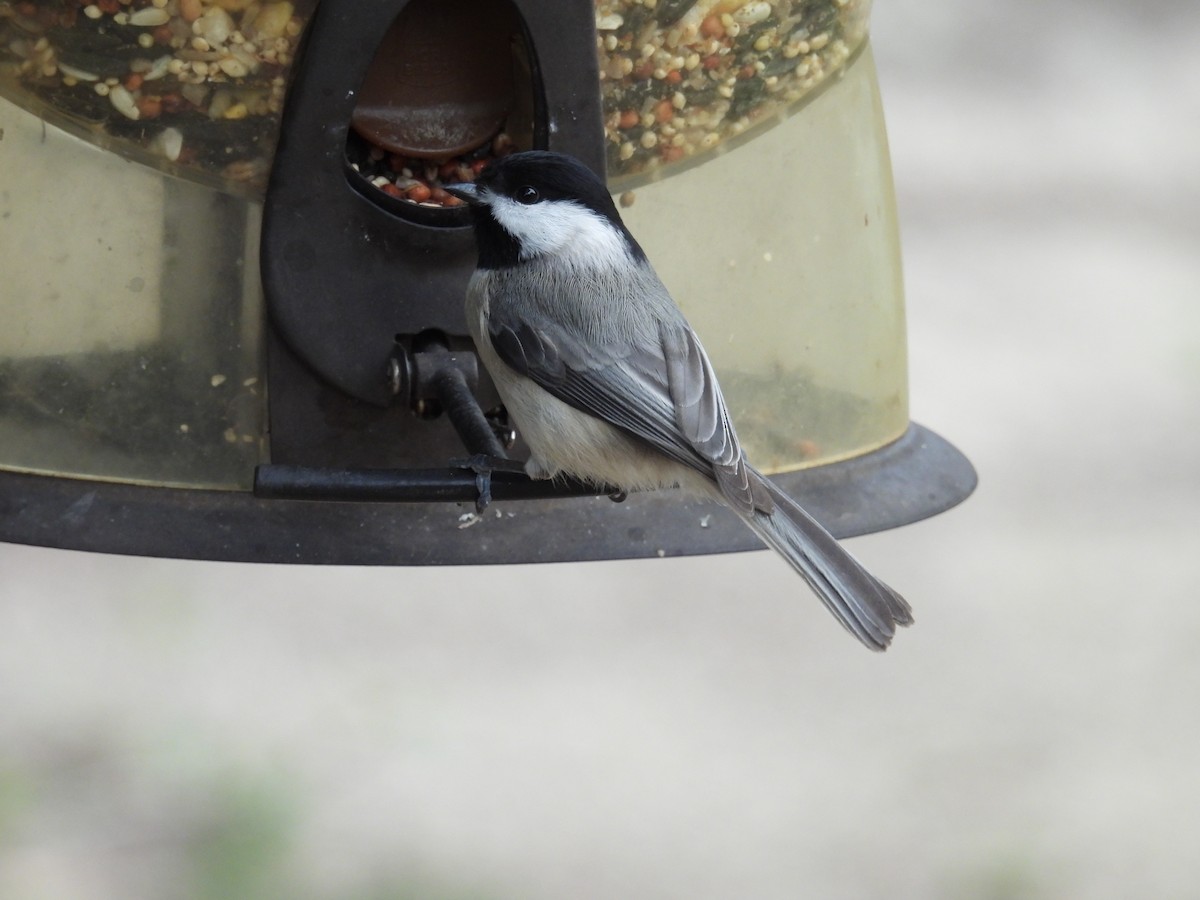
702 728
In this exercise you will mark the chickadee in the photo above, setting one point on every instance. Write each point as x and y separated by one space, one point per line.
607 381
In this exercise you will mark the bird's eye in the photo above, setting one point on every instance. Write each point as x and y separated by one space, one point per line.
528 195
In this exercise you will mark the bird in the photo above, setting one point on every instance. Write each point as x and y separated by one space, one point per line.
608 383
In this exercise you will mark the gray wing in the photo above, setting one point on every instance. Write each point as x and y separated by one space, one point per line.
703 418
664 393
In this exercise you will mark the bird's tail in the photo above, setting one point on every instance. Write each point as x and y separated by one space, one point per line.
868 608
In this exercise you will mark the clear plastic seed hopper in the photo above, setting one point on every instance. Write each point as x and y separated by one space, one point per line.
233 284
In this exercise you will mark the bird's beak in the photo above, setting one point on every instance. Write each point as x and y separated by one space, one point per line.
466 191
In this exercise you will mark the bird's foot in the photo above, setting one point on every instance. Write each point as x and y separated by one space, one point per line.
483 466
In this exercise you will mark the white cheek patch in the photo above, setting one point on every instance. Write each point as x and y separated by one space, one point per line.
563 228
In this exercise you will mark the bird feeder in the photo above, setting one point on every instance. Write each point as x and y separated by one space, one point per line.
233 286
